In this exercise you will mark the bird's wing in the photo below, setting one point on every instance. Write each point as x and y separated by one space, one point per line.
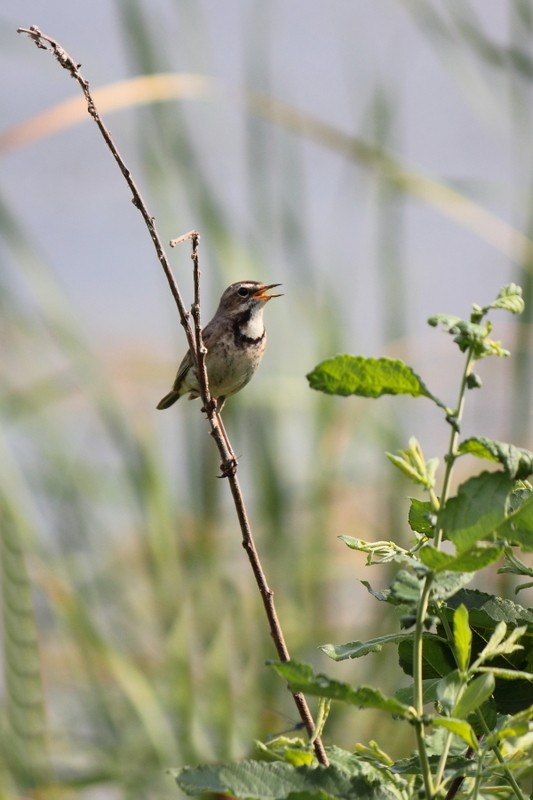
184 367
210 335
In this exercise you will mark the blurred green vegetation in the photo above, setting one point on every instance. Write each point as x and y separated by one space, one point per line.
134 638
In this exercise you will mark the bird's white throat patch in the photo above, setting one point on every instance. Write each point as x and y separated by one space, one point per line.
253 329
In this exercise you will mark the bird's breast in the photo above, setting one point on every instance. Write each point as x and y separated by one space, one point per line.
230 367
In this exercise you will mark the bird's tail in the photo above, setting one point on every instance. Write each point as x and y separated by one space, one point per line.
168 400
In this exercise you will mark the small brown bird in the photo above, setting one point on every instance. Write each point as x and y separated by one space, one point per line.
235 340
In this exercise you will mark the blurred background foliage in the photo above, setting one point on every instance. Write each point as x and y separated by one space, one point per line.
376 159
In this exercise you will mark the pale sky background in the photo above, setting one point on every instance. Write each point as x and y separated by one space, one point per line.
450 120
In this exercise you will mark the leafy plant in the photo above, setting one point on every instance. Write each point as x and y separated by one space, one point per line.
469 654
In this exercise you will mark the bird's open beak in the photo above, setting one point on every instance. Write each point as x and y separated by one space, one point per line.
261 293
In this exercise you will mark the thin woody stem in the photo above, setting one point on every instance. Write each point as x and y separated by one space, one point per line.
201 350
267 596
229 469
198 352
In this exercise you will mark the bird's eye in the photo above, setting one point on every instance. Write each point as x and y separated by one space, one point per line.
243 291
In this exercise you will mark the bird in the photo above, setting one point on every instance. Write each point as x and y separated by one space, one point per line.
235 340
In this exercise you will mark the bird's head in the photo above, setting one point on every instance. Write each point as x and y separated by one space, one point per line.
246 295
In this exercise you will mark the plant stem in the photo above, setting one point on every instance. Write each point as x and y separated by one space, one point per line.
442 760
418 687
458 781
498 753
454 437
418 644
229 471
198 352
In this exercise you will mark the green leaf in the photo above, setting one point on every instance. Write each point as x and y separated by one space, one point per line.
366 377
471 560
510 299
466 334
515 566
421 516
518 527
456 765
283 748
406 588
301 678
412 463
492 348
429 692
447 584
458 726
508 732
478 509
407 469
449 689
383 597
498 645
508 674
517 725
475 694
340 652
262 780
365 762
378 552
473 381
470 335
437 657
486 612
517 462
446 320
462 637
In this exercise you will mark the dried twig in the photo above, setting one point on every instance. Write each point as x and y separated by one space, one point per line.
226 451
198 351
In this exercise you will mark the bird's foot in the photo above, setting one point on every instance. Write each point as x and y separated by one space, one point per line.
228 467
210 408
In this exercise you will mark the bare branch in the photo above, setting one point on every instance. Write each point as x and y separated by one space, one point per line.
198 352
209 404
229 470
